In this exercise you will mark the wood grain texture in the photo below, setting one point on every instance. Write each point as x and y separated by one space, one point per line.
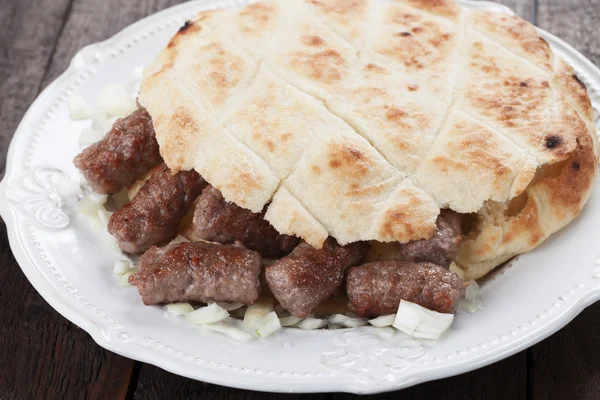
45 356
575 21
25 50
566 365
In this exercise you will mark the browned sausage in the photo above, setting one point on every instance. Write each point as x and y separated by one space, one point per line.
220 221
128 150
153 215
309 276
199 272
376 288
441 248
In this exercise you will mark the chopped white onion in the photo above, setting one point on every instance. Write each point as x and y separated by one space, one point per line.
289 321
121 267
470 306
334 326
104 216
256 311
124 279
79 108
385 332
90 136
348 322
418 321
228 306
177 309
472 291
311 323
267 325
339 319
102 122
182 239
232 332
114 101
356 322
384 320
67 188
207 315
88 208
97 198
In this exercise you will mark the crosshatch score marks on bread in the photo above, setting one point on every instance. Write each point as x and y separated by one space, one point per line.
361 119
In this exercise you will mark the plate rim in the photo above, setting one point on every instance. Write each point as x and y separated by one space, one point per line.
223 377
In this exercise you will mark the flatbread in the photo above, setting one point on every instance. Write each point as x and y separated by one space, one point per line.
361 119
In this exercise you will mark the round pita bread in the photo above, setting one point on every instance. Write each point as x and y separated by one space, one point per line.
361 119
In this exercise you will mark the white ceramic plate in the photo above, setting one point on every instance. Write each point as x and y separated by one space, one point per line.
70 265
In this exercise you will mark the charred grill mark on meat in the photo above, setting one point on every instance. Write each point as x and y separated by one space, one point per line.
153 215
199 271
376 288
128 150
217 220
441 248
308 276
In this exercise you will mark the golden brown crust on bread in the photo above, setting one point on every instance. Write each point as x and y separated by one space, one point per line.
361 119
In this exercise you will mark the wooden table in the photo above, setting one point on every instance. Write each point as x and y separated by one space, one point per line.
42 355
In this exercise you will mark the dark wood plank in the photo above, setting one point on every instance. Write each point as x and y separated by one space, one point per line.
575 21
29 30
43 354
155 383
92 21
566 364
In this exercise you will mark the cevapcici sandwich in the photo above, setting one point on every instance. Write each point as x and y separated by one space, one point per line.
386 150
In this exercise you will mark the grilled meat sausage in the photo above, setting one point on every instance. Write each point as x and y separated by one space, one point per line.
199 271
308 276
153 215
128 150
441 248
376 288
217 220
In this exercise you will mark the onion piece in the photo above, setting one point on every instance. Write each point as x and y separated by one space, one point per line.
114 101
104 217
177 309
348 322
256 311
66 188
121 267
472 291
470 306
231 331
207 315
311 323
420 322
123 281
79 108
181 239
267 325
90 136
289 321
338 319
228 306
383 320
385 332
